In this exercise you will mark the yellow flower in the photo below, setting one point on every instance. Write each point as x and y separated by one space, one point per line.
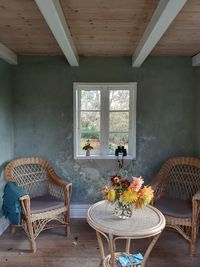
111 195
145 197
129 196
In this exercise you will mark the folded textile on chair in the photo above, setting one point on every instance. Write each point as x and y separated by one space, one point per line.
11 202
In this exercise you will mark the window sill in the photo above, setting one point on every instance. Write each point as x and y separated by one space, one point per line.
94 157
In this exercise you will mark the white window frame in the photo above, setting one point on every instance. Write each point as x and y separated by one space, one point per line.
104 111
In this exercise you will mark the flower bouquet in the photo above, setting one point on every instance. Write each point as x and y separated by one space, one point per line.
127 194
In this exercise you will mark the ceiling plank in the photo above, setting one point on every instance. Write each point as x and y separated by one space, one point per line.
8 55
196 60
53 14
163 16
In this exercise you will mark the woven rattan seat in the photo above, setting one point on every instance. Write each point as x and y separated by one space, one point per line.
45 203
48 196
175 207
177 195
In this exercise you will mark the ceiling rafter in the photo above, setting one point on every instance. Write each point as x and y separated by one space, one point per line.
8 55
53 14
165 13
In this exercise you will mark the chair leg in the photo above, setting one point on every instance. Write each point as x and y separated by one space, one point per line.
66 230
67 221
31 236
193 239
13 228
195 227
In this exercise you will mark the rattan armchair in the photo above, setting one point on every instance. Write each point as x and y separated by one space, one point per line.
48 198
177 195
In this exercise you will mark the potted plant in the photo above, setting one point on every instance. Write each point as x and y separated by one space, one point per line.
87 147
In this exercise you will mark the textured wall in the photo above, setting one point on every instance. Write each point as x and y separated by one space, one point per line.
43 114
198 118
197 113
6 123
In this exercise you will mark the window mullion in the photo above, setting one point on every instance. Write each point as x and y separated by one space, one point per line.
104 120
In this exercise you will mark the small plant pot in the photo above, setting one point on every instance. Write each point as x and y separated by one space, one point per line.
87 153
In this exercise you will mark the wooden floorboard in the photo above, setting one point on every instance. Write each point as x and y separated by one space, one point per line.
56 250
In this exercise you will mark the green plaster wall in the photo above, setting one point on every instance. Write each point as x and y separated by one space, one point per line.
43 114
198 118
197 113
6 123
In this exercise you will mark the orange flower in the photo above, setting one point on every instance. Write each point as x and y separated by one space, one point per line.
145 197
136 183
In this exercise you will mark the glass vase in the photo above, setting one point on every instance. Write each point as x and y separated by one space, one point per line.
123 211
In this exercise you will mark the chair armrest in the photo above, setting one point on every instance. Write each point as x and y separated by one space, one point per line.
157 186
196 196
196 208
159 182
25 203
59 182
23 198
60 188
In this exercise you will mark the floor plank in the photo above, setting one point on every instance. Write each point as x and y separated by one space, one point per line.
56 250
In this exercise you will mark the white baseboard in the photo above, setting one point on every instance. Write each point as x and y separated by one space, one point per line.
79 210
4 223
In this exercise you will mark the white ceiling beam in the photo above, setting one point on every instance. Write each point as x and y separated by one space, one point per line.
8 55
53 14
196 60
163 16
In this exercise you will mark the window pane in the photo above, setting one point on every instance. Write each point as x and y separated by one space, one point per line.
119 99
94 141
90 121
116 139
90 100
119 121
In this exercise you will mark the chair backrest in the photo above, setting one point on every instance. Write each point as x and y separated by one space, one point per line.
31 174
181 177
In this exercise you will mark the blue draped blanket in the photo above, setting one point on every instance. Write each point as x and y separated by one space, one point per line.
11 202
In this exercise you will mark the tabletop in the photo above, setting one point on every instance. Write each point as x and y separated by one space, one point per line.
144 223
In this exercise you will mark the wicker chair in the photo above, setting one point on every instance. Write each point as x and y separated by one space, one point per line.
177 195
48 196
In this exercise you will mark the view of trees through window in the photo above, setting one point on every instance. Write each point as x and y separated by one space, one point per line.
90 119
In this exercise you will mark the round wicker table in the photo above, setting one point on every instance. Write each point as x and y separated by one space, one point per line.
144 223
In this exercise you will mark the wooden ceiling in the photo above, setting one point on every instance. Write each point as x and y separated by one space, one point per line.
108 27
24 30
98 27
183 36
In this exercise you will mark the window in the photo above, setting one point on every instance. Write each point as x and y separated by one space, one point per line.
104 114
